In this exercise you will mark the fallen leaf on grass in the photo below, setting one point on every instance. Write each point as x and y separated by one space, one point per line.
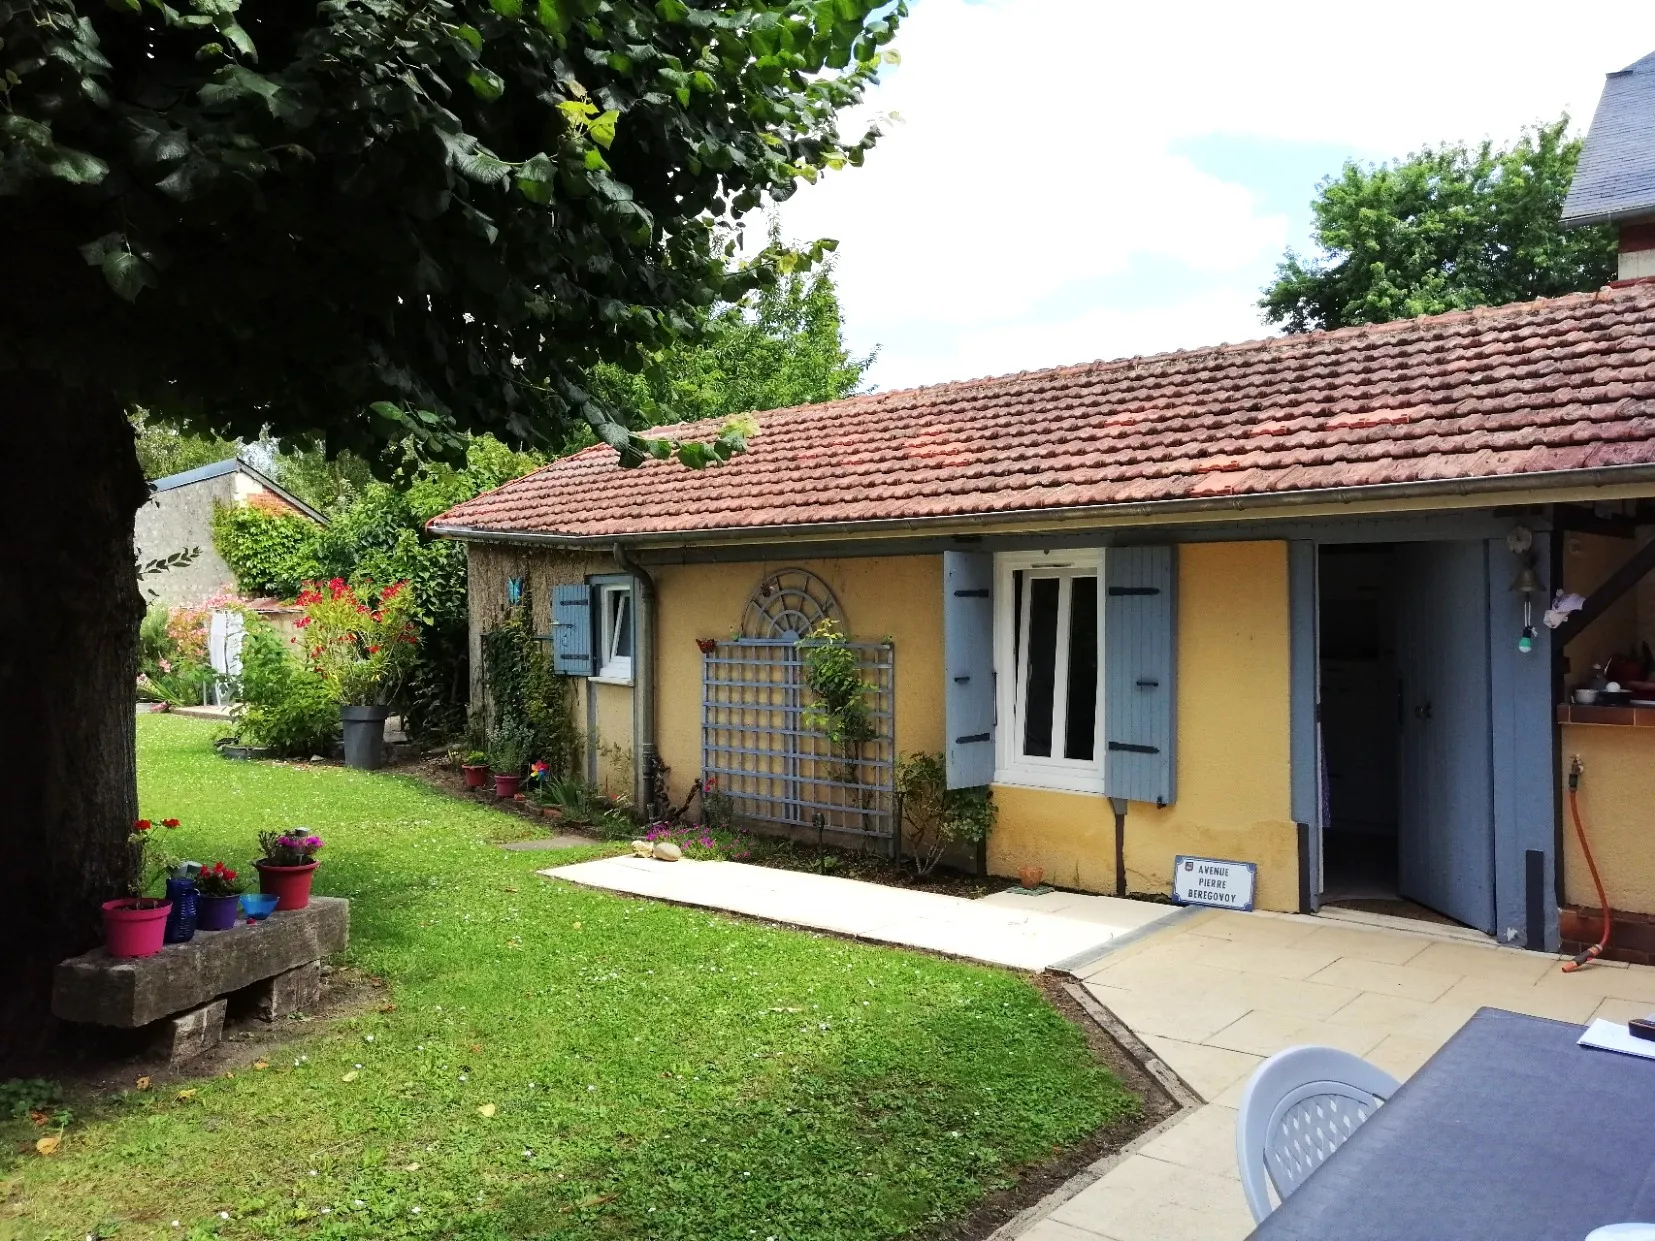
487 1109
387 1008
412 1167
477 1047
589 1202
261 1064
186 1094
511 889
349 1077
143 1083
39 1117
47 1146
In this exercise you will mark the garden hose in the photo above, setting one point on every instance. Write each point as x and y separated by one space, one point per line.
1596 950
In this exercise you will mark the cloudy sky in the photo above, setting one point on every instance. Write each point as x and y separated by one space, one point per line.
1080 179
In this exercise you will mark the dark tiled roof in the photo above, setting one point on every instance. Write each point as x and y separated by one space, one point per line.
1616 176
1537 387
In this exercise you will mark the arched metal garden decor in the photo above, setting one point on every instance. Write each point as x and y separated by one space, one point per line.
787 605
759 748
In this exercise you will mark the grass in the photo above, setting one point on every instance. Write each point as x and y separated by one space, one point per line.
559 1062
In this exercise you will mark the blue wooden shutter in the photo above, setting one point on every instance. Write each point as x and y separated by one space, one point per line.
1140 637
572 630
968 667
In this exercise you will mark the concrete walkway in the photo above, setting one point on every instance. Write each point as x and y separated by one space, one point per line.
1025 932
1214 994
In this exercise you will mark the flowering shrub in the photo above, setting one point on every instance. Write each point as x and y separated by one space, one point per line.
219 880
289 848
703 841
361 644
149 860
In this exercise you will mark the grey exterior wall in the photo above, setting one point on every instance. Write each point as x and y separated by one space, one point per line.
177 519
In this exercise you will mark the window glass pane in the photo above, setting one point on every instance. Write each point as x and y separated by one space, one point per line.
1042 658
1017 616
621 647
1080 730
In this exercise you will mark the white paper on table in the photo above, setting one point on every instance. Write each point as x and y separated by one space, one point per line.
1612 1036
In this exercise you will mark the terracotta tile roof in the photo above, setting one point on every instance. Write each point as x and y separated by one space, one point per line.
1536 387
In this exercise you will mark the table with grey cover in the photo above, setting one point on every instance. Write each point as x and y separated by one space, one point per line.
1511 1132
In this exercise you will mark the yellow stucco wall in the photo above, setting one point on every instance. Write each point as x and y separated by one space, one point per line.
1234 772
1233 705
899 597
1617 804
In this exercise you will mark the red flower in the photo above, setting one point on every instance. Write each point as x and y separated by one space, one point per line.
169 822
379 618
142 825
301 622
374 650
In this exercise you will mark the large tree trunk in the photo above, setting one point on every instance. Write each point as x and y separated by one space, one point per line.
69 612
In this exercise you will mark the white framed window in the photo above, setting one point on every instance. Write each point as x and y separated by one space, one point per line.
1048 639
614 633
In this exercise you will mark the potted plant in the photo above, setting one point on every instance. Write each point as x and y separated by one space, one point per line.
476 769
219 897
508 753
288 865
361 644
133 925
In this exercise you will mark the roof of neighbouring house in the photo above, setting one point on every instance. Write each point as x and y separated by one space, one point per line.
235 465
1473 400
1615 179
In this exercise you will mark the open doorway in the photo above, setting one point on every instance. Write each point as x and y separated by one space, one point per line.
1359 724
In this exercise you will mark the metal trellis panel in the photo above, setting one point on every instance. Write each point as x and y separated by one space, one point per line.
757 743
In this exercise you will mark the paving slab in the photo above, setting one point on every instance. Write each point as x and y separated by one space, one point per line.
1212 994
1031 933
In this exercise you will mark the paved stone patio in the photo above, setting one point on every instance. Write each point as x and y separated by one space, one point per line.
1025 932
1215 994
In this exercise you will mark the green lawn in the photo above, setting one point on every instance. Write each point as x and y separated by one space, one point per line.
651 1071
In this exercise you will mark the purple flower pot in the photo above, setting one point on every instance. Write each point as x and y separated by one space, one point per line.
216 913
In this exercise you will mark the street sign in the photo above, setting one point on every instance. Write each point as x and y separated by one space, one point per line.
1213 881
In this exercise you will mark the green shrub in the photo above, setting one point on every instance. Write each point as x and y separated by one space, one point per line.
281 704
270 553
934 815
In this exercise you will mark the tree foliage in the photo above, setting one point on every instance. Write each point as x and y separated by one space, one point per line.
782 345
379 536
163 449
1445 229
362 222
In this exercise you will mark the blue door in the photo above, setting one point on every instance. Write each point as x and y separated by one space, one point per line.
1445 828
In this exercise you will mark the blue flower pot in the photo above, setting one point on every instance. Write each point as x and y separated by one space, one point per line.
181 921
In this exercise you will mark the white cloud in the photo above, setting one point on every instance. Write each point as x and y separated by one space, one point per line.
1020 212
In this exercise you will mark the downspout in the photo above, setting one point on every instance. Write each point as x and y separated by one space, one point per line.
643 684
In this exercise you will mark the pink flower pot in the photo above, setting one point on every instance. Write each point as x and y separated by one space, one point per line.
290 885
475 777
133 925
506 786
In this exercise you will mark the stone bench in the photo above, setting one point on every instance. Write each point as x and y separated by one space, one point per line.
277 961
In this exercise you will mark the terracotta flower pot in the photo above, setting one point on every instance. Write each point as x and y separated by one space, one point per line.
290 885
505 787
133 925
475 775
1030 876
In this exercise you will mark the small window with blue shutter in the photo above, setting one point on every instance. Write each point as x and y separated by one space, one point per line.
514 591
572 635
968 667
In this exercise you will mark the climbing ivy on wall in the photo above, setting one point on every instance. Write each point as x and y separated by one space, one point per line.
524 693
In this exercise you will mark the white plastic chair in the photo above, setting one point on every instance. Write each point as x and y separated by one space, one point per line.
1299 1107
